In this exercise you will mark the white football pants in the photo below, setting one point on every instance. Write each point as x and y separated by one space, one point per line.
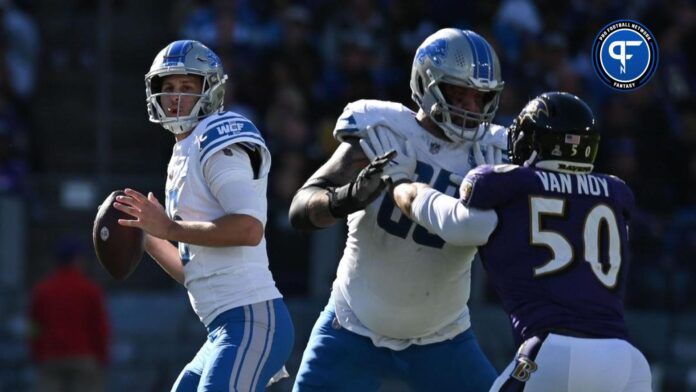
571 364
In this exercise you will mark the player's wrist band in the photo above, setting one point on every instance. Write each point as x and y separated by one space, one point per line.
341 201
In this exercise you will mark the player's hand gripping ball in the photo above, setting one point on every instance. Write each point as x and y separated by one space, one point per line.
119 248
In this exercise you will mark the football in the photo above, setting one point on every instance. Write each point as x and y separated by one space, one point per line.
119 248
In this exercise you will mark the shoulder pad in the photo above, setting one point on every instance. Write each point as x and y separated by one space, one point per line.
224 129
624 193
358 115
504 168
488 186
619 179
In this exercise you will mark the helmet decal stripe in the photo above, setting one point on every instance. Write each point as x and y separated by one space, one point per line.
475 53
489 57
483 63
177 53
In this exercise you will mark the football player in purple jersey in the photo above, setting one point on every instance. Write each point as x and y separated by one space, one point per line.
553 237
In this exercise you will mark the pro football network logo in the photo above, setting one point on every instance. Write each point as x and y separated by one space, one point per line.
625 55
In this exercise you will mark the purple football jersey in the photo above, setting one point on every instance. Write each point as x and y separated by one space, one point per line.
559 255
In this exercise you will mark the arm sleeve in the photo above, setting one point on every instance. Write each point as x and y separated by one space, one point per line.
450 219
487 187
230 178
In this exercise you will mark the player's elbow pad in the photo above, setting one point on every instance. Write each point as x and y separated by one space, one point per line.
299 209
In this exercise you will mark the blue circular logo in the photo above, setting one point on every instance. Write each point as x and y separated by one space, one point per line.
625 55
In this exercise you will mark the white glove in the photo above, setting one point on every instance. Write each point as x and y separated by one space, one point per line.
493 155
402 166
456 179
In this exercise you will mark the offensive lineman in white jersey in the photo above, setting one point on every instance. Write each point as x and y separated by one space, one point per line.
216 211
399 302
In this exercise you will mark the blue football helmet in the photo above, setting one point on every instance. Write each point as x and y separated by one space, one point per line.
461 58
185 57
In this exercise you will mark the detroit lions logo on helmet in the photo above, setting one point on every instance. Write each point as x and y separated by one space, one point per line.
436 50
213 59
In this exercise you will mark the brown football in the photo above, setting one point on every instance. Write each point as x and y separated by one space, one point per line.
119 248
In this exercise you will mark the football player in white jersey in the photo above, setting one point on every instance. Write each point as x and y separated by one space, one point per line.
216 211
399 302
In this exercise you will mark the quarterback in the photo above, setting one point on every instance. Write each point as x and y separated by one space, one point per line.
216 210
398 307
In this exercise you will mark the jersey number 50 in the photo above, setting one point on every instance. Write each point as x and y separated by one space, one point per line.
402 226
563 252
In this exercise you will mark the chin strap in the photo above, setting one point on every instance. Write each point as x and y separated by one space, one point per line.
531 159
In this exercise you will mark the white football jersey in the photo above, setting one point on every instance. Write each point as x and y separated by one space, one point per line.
404 284
220 278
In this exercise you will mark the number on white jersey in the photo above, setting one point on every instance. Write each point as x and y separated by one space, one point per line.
402 227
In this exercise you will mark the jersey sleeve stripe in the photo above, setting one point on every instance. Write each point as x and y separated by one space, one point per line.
227 128
242 137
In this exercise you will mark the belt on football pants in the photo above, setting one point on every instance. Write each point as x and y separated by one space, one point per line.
527 353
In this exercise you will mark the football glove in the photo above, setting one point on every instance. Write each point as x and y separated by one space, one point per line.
362 191
403 164
493 155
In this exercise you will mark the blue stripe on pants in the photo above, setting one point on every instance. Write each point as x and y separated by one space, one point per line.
241 353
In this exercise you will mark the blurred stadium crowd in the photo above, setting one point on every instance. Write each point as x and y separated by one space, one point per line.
293 66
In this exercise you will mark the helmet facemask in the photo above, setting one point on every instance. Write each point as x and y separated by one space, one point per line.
460 124
520 145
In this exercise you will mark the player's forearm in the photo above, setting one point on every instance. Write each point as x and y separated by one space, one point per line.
405 193
452 220
445 215
229 230
166 255
310 209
